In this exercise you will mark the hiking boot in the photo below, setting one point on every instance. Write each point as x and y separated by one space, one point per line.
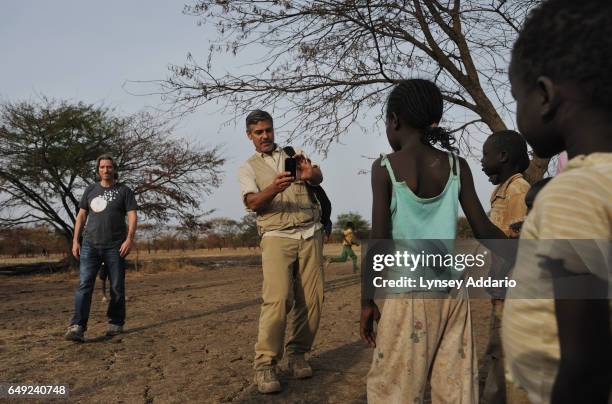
299 367
75 333
114 329
267 381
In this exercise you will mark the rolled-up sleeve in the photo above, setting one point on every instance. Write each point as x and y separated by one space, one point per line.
246 179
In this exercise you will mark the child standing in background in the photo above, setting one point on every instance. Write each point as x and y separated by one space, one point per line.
504 158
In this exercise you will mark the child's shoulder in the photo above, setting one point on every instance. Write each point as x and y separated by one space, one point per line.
378 162
379 170
518 185
464 167
579 188
586 184
574 205
386 157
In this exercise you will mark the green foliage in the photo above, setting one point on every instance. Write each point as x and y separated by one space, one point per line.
361 230
248 235
47 158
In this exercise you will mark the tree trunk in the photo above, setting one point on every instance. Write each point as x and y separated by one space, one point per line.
537 169
537 166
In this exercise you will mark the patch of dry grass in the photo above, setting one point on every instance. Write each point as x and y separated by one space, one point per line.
164 261
7 260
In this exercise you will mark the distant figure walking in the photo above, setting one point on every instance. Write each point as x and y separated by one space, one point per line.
348 241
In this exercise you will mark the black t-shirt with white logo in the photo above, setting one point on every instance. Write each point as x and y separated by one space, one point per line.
107 209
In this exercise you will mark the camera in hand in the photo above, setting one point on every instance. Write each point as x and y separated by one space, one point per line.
291 166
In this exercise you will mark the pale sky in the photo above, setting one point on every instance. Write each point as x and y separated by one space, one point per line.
85 51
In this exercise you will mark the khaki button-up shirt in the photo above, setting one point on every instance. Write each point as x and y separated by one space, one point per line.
246 178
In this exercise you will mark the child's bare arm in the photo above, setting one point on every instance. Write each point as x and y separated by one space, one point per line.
483 228
481 225
381 229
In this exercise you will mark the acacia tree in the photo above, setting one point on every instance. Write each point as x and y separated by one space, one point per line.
249 236
192 227
324 63
225 228
47 158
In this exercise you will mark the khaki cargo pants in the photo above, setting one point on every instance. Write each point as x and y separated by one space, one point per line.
292 284
419 336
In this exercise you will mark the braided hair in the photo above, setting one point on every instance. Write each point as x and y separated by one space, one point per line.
418 103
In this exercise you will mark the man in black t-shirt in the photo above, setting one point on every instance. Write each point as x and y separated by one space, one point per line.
106 239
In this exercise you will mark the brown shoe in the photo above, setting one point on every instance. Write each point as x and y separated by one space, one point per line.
299 367
267 380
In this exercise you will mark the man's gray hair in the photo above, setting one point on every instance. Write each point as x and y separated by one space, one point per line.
257 116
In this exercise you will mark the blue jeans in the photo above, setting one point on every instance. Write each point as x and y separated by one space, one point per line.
92 257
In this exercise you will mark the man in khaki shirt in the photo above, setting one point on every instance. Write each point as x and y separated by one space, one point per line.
288 221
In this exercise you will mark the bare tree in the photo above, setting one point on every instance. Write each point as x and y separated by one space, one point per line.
325 63
48 152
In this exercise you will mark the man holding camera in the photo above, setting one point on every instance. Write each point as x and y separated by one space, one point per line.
288 221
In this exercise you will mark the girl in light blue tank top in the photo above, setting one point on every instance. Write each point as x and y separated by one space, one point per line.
416 195
414 217
432 219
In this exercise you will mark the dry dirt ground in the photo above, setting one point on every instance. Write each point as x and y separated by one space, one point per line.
189 338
